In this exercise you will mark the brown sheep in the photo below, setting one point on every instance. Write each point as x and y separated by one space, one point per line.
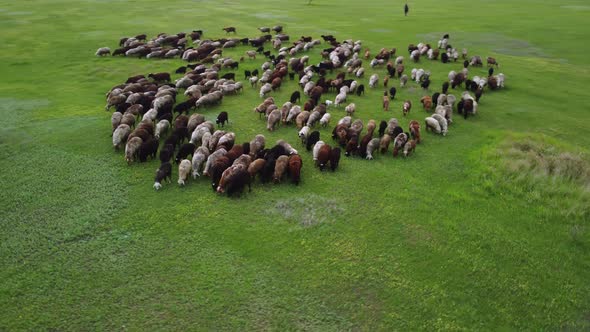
409 147
323 156
276 83
273 119
426 103
415 130
280 167
371 125
255 167
385 102
384 143
407 107
492 61
294 166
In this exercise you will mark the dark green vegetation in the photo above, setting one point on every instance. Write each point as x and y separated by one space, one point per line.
486 228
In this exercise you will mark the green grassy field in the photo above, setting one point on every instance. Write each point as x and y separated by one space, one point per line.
485 229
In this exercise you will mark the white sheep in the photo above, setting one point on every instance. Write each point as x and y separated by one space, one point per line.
184 169
120 135
288 148
183 83
212 159
316 149
419 73
399 60
371 147
373 80
266 88
360 72
325 120
347 120
432 124
205 139
103 51
500 80
313 118
442 122
328 103
199 157
350 109
452 75
308 86
340 98
161 128
304 133
150 115
403 80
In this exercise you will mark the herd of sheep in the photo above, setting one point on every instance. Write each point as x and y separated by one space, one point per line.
148 119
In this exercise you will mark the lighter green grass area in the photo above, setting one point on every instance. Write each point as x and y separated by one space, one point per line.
485 229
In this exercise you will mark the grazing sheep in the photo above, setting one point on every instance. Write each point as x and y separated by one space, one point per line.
199 157
334 158
325 120
213 157
257 144
287 147
357 126
373 81
255 167
227 139
312 139
294 112
322 157
445 111
265 89
403 80
371 147
382 127
409 147
115 100
432 124
385 102
295 97
426 103
384 143
300 120
229 29
253 81
217 171
303 134
116 120
131 149
166 153
162 173
340 98
398 143
371 125
160 77
120 135
415 130
148 148
313 118
184 151
222 118
280 167
350 109
103 51
294 166
184 170
407 107
492 61
316 149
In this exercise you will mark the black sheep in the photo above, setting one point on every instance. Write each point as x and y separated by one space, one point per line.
229 76
465 64
185 106
237 182
478 94
182 134
164 116
275 152
334 158
491 71
166 153
164 172
360 90
180 70
382 127
247 74
172 140
425 84
392 92
246 148
445 89
444 57
148 148
222 118
185 150
255 72
295 97
268 170
313 138
460 106
291 76
435 98
160 77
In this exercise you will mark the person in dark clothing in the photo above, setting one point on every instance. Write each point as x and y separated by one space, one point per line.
406 9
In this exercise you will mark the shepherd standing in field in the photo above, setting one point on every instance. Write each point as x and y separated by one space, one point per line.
406 9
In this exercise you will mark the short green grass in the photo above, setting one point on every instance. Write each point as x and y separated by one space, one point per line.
471 233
